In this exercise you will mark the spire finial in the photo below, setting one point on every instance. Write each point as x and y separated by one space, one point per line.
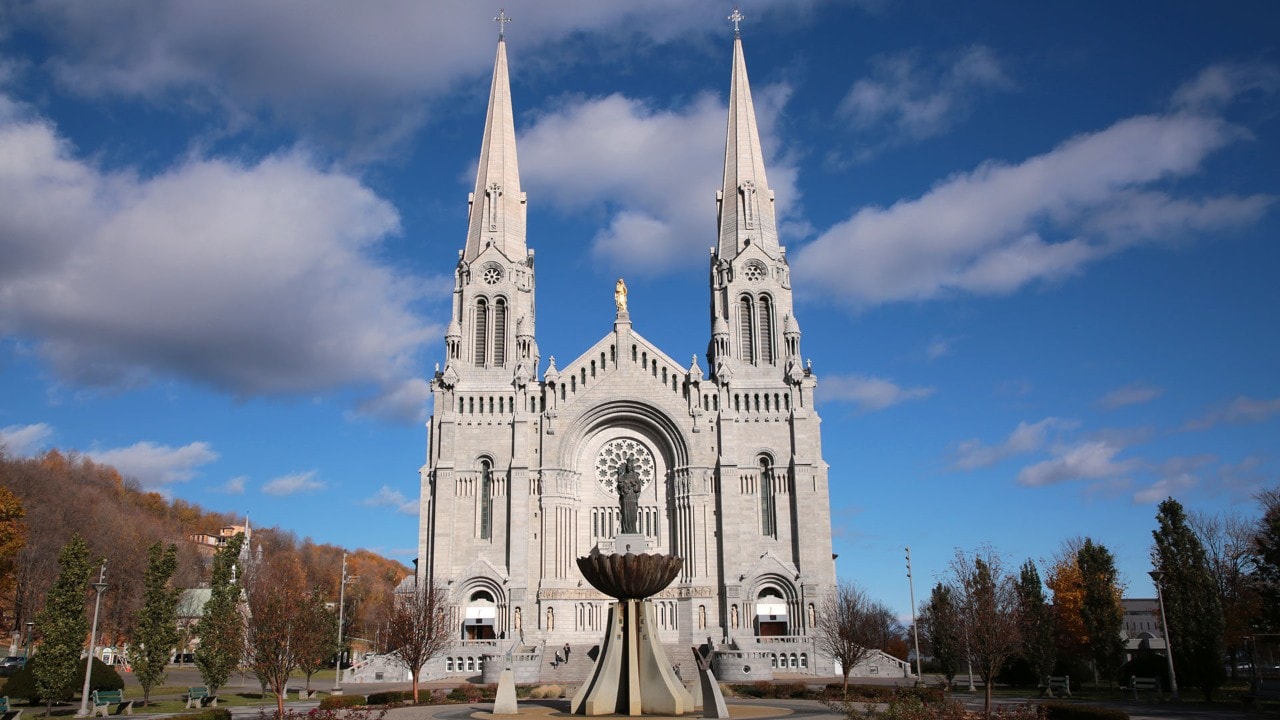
502 19
736 18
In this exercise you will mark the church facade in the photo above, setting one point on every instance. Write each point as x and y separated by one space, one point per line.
523 457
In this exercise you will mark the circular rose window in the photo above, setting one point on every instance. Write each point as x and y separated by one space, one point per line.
612 457
492 274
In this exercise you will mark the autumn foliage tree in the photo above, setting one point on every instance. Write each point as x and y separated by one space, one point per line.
13 535
317 639
277 624
1067 585
418 627
1101 612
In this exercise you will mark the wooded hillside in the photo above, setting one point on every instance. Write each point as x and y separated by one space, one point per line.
55 496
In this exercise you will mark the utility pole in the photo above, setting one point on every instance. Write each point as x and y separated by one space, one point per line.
1157 575
915 629
343 581
93 636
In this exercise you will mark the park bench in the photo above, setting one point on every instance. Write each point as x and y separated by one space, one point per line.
6 711
199 696
1143 684
303 693
1058 683
104 699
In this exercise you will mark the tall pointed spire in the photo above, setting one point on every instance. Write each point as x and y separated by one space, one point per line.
746 201
497 212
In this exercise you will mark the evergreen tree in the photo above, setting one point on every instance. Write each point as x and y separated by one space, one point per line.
1039 644
156 630
941 627
1193 621
1101 611
1266 551
221 628
62 626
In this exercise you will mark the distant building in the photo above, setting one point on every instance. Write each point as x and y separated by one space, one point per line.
209 544
1142 627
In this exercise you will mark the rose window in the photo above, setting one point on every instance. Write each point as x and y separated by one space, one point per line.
612 457
492 275
754 271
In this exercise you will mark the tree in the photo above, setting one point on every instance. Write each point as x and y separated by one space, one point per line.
156 627
418 627
13 535
850 625
1266 549
1193 621
318 639
1228 541
276 625
941 627
1100 610
987 601
1067 585
221 627
1035 618
62 625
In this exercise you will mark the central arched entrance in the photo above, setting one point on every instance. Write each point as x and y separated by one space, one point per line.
480 618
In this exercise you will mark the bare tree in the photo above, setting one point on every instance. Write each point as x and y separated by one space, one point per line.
418 627
1228 545
987 603
850 625
276 624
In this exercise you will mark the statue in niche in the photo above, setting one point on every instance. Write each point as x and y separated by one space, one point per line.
629 485
620 296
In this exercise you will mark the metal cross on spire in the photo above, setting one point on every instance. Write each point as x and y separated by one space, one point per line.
736 18
502 19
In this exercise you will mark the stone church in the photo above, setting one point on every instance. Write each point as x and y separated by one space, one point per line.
523 451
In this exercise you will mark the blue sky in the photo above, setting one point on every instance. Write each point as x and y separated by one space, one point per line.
1034 248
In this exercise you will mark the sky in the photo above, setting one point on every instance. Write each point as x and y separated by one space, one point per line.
1034 248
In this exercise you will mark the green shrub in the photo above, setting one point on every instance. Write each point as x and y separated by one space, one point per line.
391 697
335 702
210 714
23 682
1071 711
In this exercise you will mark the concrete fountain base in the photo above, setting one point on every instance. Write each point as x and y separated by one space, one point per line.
632 675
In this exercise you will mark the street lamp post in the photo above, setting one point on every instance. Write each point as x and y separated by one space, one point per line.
93 636
915 630
342 596
1156 575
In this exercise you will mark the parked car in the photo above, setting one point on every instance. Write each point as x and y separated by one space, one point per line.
11 665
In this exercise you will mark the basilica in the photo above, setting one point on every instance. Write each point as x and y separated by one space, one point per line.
524 453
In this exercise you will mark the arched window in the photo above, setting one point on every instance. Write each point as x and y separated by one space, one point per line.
765 329
482 331
746 338
768 524
500 332
486 499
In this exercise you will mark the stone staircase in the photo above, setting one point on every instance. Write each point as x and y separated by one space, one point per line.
580 664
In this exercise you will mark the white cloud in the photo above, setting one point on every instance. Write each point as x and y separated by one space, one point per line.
1002 226
652 172
389 497
1134 394
1242 410
234 486
916 100
403 402
253 278
1089 460
293 484
365 73
25 440
156 466
1026 438
1218 85
940 347
1165 487
867 393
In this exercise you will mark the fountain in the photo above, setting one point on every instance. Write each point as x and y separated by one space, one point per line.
632 675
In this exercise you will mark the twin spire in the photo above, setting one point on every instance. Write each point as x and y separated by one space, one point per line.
497 205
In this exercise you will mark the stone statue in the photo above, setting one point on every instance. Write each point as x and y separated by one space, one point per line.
629 484
620 296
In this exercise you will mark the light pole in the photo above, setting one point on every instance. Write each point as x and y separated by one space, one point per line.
915 630
342 596
93 636
26 654
1156 575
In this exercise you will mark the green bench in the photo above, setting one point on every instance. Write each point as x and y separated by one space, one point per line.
6 711
199 697
104 699
1143 684
1057 683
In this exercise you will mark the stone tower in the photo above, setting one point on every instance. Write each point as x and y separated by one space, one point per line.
521 466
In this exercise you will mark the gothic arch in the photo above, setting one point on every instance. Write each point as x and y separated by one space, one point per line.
649 421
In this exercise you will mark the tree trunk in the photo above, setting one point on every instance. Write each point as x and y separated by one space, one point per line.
414 675
844 691
986 690
279 705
